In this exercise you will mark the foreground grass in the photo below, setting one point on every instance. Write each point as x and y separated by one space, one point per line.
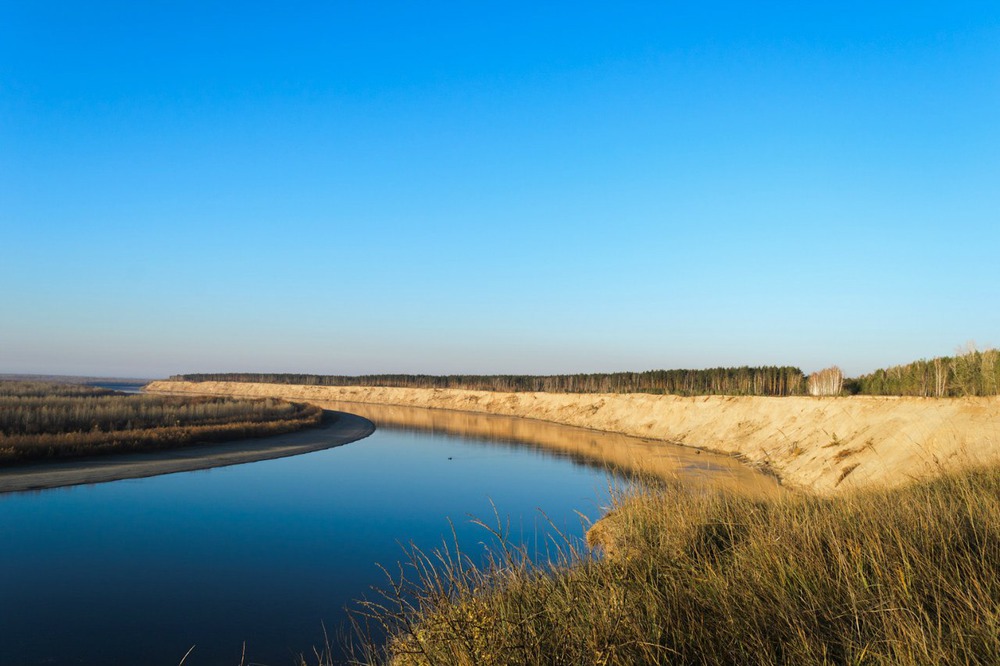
909 576
43 421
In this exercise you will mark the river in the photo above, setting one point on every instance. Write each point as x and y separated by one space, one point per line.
269 554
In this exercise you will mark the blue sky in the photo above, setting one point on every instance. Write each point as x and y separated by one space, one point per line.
495 187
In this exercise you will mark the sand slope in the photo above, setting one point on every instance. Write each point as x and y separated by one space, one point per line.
820 444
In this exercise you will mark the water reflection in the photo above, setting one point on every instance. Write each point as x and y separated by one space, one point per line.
270 553
623 454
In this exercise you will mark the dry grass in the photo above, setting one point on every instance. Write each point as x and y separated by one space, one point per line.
26 389
69 421
908 576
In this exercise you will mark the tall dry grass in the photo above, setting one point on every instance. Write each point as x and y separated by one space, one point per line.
24 389
909 576
42 421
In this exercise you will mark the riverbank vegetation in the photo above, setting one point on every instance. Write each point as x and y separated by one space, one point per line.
36 389
42 421
905 577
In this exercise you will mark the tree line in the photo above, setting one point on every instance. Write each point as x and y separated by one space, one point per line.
765 381
971 373
968 373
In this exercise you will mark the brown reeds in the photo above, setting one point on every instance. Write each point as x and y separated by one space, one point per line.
77 421
909 576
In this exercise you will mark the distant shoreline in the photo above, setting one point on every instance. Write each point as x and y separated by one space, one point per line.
72 379
336 429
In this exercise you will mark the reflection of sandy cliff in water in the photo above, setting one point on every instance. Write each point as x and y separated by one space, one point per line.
617 452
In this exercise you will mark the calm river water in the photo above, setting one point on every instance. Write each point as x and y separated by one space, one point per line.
268 553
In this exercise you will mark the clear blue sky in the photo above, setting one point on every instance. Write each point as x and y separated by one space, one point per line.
495 187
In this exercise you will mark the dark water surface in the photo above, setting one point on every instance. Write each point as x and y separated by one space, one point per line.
138 571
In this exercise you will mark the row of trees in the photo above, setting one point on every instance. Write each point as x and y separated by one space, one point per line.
970 373
770 381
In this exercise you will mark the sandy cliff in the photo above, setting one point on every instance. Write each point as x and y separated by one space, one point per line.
820 444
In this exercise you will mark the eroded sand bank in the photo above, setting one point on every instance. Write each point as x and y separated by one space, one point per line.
824 445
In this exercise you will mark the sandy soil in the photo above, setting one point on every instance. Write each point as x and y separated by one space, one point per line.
336 429
824 445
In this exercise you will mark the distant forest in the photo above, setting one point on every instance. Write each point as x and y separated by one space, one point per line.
772 381
970 373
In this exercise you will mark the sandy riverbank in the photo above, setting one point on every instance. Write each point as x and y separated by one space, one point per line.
336 429
824 445
692 468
